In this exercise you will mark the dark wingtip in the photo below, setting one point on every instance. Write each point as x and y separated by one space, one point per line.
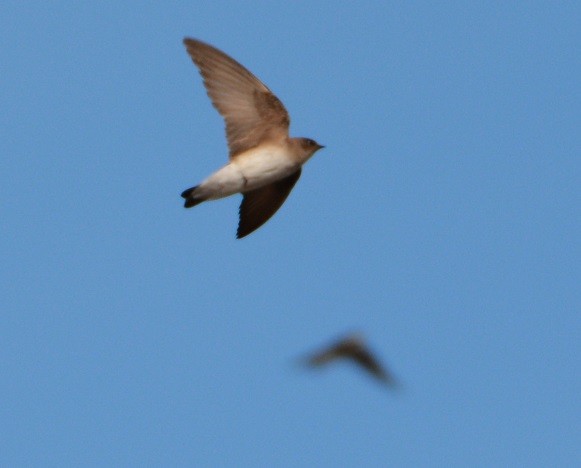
244 230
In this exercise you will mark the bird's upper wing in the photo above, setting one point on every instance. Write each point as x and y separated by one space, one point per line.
323 357
251 111
259 205
328 354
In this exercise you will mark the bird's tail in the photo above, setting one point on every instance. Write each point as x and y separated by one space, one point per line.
190 198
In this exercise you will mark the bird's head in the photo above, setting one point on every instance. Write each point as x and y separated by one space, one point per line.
308 147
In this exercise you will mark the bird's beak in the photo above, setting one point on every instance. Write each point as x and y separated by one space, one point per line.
320 146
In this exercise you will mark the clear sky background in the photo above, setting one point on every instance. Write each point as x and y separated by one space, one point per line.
442 220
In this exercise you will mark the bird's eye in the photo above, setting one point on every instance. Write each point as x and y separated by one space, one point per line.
311 142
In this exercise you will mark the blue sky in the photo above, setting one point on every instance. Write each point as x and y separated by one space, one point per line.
441 220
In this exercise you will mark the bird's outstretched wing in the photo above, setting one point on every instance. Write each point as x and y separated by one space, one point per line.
259 205
251 111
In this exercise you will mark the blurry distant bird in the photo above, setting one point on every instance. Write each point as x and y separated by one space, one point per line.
265 163
352 348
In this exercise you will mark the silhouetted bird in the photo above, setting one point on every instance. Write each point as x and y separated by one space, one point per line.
353 348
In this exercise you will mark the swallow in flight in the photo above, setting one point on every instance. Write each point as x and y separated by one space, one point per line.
352 348
265 162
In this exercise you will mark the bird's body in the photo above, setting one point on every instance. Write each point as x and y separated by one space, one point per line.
250 170
265 163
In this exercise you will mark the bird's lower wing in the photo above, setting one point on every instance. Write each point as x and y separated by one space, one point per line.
259 205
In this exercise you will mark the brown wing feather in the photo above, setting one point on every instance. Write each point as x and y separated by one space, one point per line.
323 357
251 111
259 205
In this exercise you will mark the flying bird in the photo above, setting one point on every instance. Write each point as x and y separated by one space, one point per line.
265 163
354 349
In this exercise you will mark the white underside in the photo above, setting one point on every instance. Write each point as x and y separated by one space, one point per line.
248 171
